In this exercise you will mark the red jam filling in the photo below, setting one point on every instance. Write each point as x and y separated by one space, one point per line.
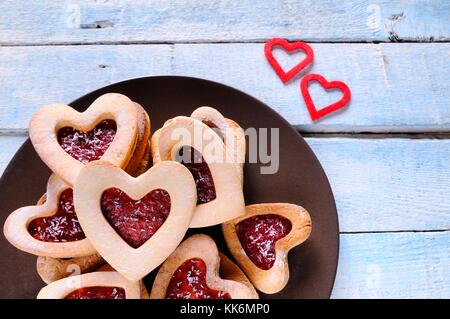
87 146
63 226
135 220
193 160
258 235
189 282
97 292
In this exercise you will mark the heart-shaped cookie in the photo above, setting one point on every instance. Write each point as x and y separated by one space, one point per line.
261 239
289 47
95 285
339 85
141 151
144 164
66 139
50 229
229 131
51 269
144 291
201 150
135 223
192 272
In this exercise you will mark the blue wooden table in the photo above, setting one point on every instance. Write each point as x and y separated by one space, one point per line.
387 155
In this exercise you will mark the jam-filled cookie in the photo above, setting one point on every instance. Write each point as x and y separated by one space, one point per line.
228 130
52 269
50 228
66 139
192 272
144 164
261 239
143 288
94 285
230 271
202 151
141 152
135 223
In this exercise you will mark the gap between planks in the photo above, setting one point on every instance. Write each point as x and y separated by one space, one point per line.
393 231
251 41
367 135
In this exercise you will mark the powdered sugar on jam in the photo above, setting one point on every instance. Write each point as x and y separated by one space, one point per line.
87 146
193 160
63 226
258 235
97 292
189 282
135 220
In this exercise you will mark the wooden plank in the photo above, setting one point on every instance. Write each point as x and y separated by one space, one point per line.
389 95
34 76
105 21
388 184
395 87
379 185
9 146
394 265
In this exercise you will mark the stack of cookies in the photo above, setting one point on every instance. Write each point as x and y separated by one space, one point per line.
120 200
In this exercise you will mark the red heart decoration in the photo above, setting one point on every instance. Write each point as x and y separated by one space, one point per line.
313 112
289 47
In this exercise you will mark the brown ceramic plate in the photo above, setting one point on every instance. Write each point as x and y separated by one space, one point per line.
300 180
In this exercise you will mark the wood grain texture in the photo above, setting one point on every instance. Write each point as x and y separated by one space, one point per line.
34 76
379 185
396 87
9 146
388 184
107 21
394 265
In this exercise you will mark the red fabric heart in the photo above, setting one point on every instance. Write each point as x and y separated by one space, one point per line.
313 112
289 47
